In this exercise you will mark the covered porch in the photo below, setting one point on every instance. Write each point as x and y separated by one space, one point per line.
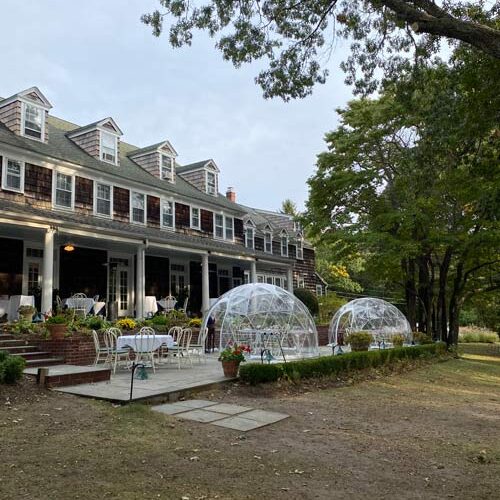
39 260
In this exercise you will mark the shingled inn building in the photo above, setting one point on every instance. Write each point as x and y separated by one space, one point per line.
83 211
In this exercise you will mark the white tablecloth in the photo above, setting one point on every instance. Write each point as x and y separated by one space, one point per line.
71 303
147 342
98 306
4 307
150 305
15 302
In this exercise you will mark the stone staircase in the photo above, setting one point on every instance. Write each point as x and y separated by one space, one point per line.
31 353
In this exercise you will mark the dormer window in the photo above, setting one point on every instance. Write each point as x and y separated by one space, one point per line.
250 237
211 183
268 242
167 168
284 244
108 147
33 121
300 247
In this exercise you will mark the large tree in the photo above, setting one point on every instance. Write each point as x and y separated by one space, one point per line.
297 36
412 180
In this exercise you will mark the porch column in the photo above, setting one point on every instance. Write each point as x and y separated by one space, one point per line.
253 272
48 271
140 283
205 289
289 279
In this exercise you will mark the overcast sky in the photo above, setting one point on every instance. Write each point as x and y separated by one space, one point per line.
94 59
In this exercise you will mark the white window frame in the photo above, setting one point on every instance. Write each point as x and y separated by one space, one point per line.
132 221
23 121
299 245
198 227
270 235
250 227
170 178
216 236
209 191
101 152
54 190
96 213
5 187
225 226
319 290
283 236
163 226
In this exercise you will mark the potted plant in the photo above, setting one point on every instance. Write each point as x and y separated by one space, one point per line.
57 326
26 312
231 357
359 341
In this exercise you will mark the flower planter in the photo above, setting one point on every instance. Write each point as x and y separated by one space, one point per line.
57 331
26 316
230 368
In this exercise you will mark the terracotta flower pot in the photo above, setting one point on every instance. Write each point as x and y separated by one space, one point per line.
57 331
230 368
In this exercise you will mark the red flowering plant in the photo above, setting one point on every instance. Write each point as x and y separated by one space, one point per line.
234 352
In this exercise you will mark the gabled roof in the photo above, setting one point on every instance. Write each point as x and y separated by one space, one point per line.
107 123
60 147
32 94
153 148
199 165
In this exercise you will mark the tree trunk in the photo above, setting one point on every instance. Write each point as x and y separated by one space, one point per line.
408 266
454 307
424 295
443 279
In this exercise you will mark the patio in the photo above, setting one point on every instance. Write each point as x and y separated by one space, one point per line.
167 383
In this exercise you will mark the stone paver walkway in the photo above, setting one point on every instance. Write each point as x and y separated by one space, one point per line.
239 418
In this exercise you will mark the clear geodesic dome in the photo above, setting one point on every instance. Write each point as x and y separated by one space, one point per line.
274 323
375 316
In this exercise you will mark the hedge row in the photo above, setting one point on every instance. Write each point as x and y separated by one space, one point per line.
255 373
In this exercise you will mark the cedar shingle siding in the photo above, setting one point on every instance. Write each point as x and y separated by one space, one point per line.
84 195
239 235
306 269
153 211
182 216
259 244
150 163
121 204
38 184
207 221
10 116
89 142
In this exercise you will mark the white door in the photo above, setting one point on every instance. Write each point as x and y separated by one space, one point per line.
119 284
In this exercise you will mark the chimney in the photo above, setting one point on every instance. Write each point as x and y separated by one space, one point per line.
231 194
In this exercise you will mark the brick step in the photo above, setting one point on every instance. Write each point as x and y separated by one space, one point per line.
61 375
19 348
13 342
6 336
32 355
31 363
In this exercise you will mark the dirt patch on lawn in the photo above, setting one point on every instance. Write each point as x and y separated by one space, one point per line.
430 433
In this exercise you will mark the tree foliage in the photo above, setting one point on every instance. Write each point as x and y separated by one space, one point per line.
412 180
289 207
296 37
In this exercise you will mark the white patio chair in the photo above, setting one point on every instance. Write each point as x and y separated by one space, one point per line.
145 346
185 305
100 351
114 354
169 303
198 349
164 351
181 350
79 304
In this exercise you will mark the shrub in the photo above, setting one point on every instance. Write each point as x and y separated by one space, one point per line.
255 373
308 298
194 323
359 341
398 340
422 338
158 320
58 319
474 334
329 304
126 324
95 323
11 368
